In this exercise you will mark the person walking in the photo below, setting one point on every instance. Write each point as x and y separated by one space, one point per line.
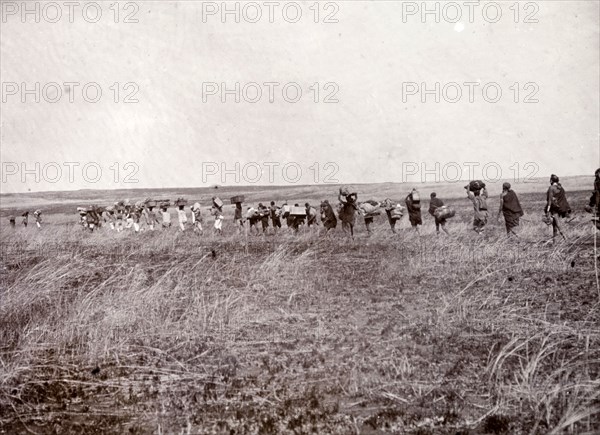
348 210
197 218
478 197
311 215
217 211
38 218
181 217
238 219
328 216
393 212
166 217
151 219
510 207
275 216
557 206
413 206
263 213
434 204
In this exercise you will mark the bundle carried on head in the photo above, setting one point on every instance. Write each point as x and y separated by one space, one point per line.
149 202
475 185
415 199
347 190
180 201
217 202
237 198
298 211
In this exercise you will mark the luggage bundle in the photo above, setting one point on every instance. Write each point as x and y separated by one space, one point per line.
397 212
164 203
237 198
475 185
285 211
297 211
180 202
150 203
444 212
347 190
370 208
217 201
416 199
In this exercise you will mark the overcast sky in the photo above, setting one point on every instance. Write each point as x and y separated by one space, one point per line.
179 135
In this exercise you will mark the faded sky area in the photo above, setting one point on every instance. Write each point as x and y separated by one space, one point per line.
380 130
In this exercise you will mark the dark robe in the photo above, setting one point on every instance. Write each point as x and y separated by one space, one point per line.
328 216
414 213
348 211
511 209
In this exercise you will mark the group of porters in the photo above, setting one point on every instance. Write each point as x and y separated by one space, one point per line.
142 215
37 215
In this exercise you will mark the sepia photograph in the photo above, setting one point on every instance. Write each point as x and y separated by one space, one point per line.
300 217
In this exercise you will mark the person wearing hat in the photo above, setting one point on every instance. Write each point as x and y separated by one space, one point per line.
510 208
434 204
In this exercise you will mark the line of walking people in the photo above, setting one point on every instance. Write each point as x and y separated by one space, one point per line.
142 216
